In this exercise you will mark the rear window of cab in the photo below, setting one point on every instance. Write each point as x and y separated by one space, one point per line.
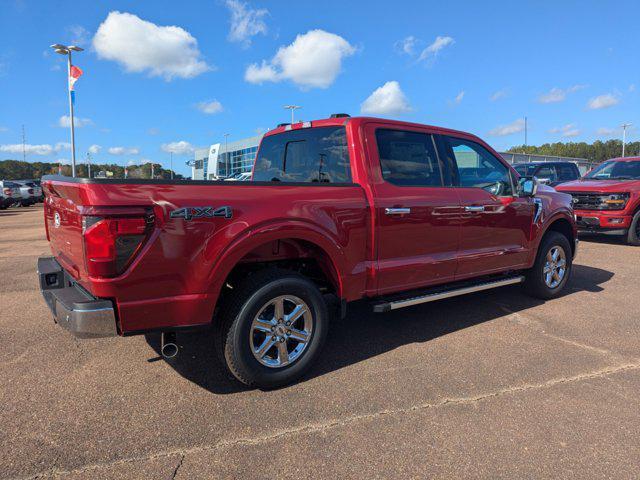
307 155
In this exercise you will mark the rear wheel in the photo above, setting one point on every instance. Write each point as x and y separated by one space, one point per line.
633 237
550 273
272 329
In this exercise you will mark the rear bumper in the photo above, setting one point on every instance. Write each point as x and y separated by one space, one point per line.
72 307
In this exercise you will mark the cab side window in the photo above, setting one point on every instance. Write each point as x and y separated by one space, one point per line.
474 166
408 158
567 172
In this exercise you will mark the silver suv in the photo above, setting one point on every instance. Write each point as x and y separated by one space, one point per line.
9 194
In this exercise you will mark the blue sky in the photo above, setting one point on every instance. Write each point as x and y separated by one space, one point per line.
572 67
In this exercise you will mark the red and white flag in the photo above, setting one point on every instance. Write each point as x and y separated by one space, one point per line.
74 75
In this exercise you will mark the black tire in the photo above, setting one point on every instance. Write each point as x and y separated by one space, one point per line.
633 236
535 284
235 328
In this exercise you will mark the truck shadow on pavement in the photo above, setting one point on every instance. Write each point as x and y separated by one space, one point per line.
363 334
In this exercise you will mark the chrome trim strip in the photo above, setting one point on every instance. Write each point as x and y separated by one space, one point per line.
397 211
454 293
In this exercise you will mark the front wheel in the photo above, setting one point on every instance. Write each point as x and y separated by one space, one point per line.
633 237
550 273
272 329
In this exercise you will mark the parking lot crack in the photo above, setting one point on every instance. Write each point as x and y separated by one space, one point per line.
321 427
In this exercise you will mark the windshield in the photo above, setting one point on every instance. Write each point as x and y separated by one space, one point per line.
525 170
616 170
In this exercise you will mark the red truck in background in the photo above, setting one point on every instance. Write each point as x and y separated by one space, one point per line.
607 199
358 208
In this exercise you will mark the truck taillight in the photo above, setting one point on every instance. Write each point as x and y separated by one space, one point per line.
6 191
30 191
111 243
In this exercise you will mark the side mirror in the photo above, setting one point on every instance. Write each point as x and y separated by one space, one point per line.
528 187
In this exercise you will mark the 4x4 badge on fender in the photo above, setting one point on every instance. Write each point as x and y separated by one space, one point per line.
189 213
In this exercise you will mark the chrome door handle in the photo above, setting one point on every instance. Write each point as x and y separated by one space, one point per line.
474 208
396 211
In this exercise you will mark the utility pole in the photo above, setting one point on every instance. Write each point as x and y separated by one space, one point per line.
66 50
292 108
171 164
24 150
624 135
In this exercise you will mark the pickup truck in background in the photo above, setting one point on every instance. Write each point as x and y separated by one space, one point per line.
391 212
607 199
549 173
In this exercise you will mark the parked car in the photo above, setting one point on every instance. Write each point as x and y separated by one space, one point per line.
549 173
29 191
10 194
395 213
239 177
607 199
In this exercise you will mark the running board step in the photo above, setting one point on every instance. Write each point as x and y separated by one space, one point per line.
387 306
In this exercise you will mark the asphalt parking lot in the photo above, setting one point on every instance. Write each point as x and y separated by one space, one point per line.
493 385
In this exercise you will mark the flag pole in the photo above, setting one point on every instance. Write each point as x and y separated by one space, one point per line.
73 137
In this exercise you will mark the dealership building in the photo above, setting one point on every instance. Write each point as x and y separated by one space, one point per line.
222 160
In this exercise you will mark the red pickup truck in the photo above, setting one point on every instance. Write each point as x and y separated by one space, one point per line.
607 199
355 208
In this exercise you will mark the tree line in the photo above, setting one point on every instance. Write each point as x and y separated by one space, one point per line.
597 151
19 170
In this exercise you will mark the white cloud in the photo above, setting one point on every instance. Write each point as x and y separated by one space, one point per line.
603 101
63 161
78 35
141 46
246 22
407 45
123 150
513 127
459 98
386 100
605 132
632 87
16 148
314 59
438 44
94 149
4 129
211 107
556 94
62 146
569 130
178 148
500 94
65 121
153 131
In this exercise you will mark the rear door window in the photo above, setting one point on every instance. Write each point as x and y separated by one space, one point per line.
547 172
313 155
408 158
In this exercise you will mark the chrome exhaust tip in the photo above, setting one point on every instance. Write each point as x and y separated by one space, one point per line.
168 346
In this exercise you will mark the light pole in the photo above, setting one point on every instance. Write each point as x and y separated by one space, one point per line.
171 163
292 108
89 164
624 135
66 50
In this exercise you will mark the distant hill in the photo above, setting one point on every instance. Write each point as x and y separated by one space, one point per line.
598 151
17 170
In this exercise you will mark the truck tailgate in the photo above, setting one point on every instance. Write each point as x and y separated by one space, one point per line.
63 224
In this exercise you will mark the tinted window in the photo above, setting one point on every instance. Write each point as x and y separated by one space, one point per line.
477 167
525 170
568 172
547 172
408 158
304 155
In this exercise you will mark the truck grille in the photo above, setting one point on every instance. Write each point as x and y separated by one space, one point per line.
587 200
